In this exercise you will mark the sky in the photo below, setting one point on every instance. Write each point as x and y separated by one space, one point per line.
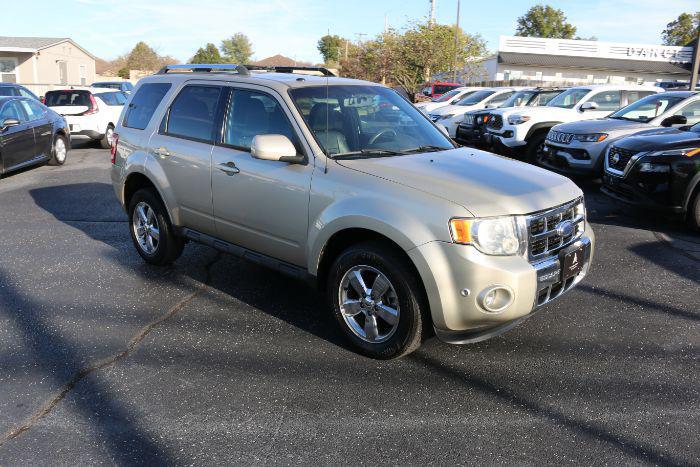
109 28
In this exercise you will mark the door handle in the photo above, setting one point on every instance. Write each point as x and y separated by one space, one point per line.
162 152
229 168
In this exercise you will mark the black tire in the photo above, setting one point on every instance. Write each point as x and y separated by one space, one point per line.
105 141
534 147
413 314
169 246
56 158
694 212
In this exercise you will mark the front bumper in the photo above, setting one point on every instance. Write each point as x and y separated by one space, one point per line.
575 159
470 135
510 136
456 275
629 192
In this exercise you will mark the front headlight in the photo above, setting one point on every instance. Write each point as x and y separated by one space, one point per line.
518 119
469 119
686 152
591 138
446 116
492 236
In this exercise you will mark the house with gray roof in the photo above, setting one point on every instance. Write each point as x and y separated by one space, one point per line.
42 63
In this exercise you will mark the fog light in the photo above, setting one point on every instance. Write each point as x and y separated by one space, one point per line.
496 298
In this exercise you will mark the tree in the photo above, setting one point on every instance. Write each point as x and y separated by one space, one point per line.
682 31
545 21
329 47
142 57
237 49
208 54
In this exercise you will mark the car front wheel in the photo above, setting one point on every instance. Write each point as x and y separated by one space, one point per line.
377 300
694 212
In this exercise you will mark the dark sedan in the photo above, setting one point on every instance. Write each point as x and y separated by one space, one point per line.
30 134
657 169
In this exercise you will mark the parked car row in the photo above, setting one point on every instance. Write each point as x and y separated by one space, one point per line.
37 130
643 142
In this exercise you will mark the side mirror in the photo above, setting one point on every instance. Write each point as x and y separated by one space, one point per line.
588 106
9 122
274 148
674 120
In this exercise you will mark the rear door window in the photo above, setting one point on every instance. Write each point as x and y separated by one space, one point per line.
192 114
112 98
607 100
33 110
144 104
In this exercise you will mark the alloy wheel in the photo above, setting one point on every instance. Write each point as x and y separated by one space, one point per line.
144 222
60 150
369 304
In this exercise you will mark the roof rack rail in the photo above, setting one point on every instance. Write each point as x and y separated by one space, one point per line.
205 68
290 69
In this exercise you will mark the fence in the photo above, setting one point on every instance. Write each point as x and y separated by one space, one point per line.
41 89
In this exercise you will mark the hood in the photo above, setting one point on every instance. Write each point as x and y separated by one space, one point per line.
600 125
659 140
483 183
543 113
428 106
454 109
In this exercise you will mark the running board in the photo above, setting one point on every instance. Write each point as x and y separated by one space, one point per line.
250 255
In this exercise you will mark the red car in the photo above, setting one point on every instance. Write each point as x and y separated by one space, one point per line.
438 88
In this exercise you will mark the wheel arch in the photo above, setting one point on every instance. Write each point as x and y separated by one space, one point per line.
539 127
136 181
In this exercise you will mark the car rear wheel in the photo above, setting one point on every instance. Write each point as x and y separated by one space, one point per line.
151 230
106 141
377 300
59 150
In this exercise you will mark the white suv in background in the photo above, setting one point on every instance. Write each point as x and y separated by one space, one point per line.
91 112
451 116
527 127
449 98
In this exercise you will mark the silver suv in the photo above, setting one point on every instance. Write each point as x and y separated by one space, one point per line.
346 184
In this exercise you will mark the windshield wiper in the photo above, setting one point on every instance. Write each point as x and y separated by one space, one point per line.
366 152
427 148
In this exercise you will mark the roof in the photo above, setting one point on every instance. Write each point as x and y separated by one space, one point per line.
279 81
593 63
34 44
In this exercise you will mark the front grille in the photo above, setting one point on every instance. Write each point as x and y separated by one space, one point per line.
496 122
559 137
618 158
547 233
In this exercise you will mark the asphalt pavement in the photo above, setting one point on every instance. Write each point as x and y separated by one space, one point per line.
104 359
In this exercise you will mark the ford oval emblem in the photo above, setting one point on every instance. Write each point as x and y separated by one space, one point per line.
565 229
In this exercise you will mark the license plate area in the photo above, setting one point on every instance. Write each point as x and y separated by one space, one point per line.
572 260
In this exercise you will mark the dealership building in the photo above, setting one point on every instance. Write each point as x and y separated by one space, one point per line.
579 62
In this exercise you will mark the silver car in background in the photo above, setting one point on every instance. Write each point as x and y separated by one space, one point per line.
577 148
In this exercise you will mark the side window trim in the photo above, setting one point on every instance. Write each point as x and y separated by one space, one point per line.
280 103
163 127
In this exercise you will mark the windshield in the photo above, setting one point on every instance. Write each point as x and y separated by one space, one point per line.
519 99
648 108
569 98
447 96
476 97
365 121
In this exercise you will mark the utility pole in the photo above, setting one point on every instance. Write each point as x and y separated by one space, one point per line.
433 4
386 23
454 64
696 64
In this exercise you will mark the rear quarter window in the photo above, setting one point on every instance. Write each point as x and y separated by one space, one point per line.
112 98
144 103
